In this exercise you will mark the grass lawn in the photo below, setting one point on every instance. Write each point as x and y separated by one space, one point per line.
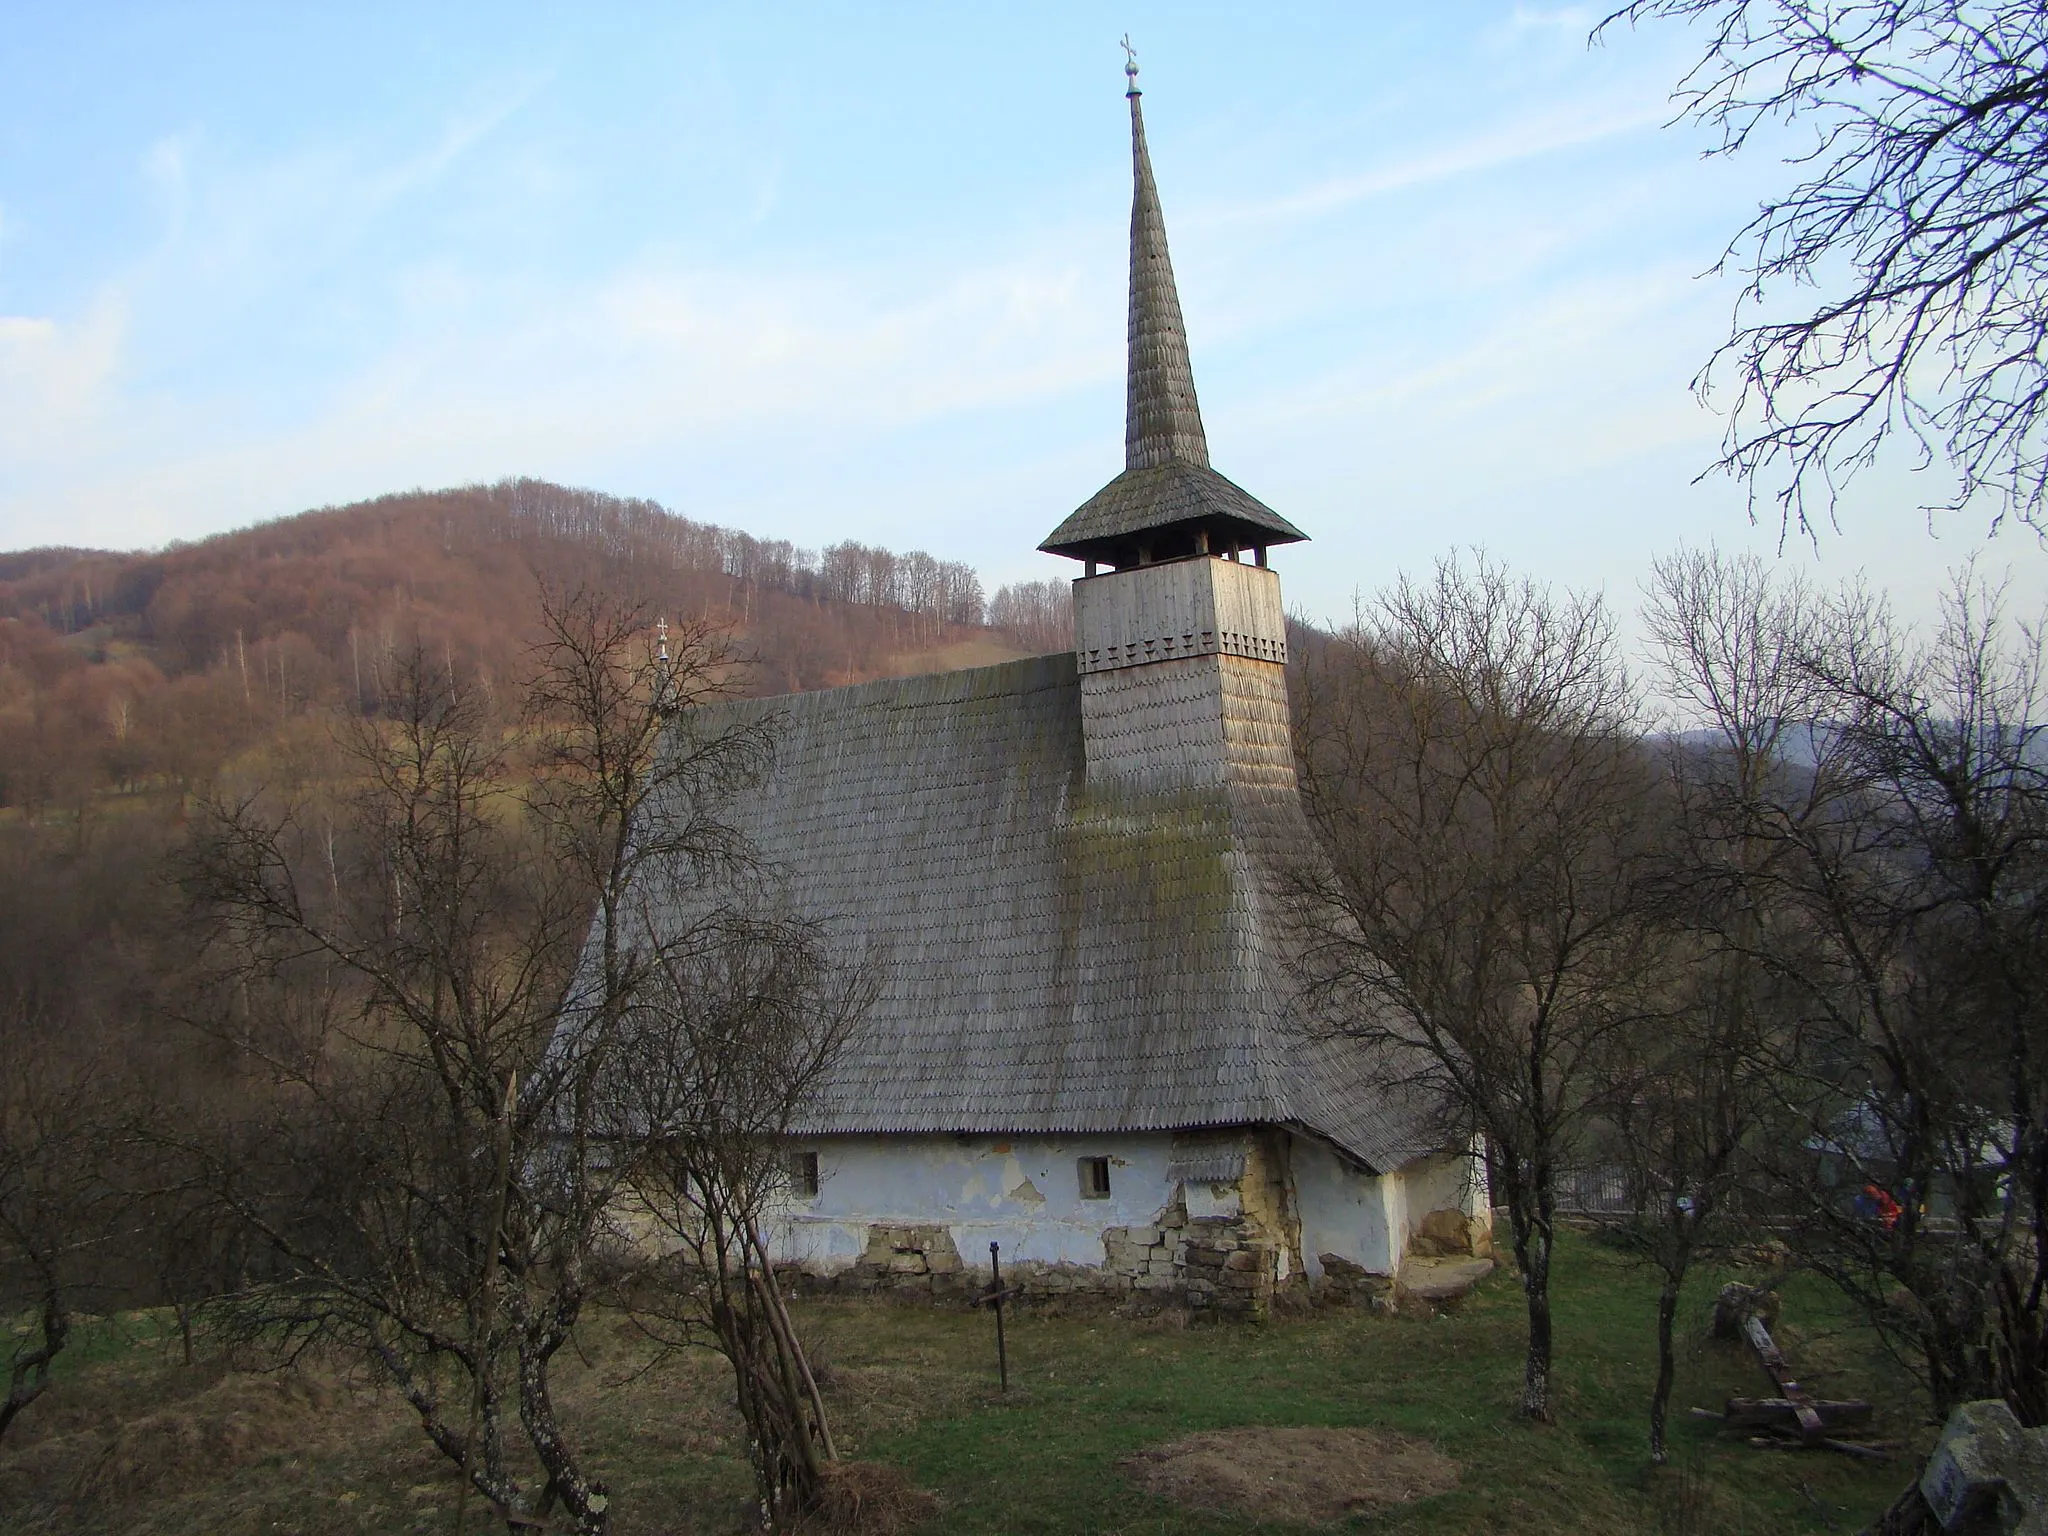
132 1440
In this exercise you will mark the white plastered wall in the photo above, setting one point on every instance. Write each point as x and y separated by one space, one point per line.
1021 1191
1449 1181
1369 1220
1345 1211
1025 1193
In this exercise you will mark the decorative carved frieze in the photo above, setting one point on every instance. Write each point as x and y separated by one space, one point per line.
1203 642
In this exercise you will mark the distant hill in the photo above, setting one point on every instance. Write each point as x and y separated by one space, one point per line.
117 668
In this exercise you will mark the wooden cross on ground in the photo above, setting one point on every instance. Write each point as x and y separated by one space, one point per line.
994 1297
1794 1413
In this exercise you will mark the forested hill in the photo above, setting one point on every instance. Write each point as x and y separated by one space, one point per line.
120 667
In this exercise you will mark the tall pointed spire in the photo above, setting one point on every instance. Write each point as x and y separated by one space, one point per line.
1168 504
1162 419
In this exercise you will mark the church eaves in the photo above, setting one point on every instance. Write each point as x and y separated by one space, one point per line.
1168 503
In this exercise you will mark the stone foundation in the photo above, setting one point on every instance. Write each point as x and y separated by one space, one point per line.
1228 1242
1343 1283
1220 1264
1223 1266
902 1258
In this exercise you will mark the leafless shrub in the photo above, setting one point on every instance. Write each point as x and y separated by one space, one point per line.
731 1046
59 1106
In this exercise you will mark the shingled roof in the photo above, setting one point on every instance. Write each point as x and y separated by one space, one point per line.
1175 492
1052 959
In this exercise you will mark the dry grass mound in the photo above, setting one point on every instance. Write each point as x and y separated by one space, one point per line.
1294 1476
236 1419
866 1498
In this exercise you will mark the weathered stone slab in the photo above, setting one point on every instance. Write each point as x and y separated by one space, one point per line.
1443 1279
1988 1474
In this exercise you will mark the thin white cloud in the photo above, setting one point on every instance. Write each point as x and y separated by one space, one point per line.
685 362
1511 143
463 132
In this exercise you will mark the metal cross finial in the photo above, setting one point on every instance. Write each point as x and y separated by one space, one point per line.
1130 62
661 641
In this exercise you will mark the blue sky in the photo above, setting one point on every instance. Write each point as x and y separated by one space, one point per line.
857 271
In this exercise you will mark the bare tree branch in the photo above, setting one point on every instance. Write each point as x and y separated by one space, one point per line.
1921 224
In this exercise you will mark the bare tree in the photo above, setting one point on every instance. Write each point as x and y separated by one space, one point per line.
1679 1108
1037 613
1468 755
1691 1097
1895 886
1921 222
434 1179
56 1203
732 1046
703 1017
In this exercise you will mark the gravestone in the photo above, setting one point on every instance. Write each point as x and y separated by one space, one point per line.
1988 1475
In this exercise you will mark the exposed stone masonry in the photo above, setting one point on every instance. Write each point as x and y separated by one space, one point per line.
1232 1261
1222 1265
1226 1267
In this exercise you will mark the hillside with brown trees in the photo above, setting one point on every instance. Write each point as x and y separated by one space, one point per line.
305 828
121 671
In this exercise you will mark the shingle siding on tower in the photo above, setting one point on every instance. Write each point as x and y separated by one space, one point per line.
1052 957
1162 419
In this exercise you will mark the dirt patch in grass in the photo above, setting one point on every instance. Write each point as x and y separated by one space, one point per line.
1296 1476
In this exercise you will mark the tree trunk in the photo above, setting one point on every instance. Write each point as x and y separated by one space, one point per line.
1533 1254
587 1500
1667 1363
30 1377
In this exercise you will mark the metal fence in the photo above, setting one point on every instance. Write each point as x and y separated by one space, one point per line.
1600 1190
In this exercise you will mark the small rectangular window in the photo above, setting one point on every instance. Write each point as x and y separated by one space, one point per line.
803 1175
1094 1178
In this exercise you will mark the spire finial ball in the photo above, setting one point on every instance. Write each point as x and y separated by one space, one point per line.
1130 64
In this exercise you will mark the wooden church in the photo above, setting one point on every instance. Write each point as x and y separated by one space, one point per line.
1086 1046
